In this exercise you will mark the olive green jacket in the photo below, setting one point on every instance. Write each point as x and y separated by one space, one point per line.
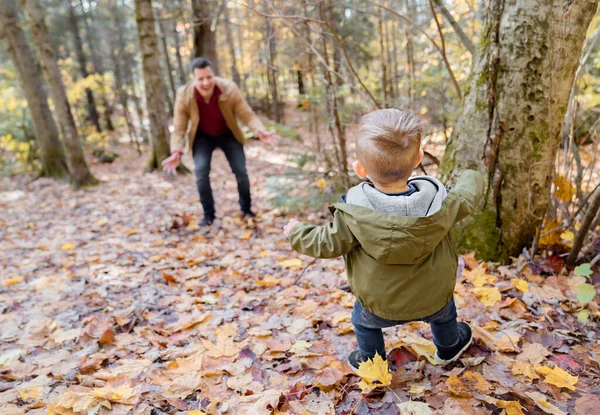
398 267
232 104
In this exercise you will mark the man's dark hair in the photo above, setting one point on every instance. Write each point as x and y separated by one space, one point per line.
201 63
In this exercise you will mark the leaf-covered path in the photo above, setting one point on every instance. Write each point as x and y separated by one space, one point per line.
112 300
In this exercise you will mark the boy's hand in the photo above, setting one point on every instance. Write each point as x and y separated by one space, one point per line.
290 225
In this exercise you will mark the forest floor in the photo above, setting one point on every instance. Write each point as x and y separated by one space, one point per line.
113 300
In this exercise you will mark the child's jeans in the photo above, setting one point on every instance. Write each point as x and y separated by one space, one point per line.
367 327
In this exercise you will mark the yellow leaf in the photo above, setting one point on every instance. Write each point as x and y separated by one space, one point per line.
567 236
321 184
67 247
196 412
32 392
564 188
155 258
374 373
524 368
512 407
295 262
264 253
121 394
470 382
550 234
13 280
488 295
520 284
246 236
558 377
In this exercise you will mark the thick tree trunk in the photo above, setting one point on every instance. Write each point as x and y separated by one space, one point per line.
93 42
155 87
28 68
205 41
93 116
512 115
80 174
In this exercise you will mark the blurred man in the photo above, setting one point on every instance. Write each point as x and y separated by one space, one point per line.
207 109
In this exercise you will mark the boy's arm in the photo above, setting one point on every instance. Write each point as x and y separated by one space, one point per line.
470 188
329 241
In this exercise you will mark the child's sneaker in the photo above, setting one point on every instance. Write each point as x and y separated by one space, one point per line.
446 355
355 359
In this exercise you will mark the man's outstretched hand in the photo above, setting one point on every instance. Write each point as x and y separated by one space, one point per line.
171 163
269 137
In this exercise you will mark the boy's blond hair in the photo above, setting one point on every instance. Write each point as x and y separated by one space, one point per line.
388 144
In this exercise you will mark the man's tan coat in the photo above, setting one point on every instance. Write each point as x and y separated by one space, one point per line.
233 107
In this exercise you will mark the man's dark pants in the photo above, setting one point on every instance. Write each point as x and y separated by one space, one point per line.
204 145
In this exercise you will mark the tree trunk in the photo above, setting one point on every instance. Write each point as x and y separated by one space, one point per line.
271 69
511 118
155 87
205 41
80 174
163 37
122 94
28 68
229 35
466 40
93 41
382 54
410 62
93 116
339 134
180 71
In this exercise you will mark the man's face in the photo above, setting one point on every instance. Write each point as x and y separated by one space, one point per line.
204 81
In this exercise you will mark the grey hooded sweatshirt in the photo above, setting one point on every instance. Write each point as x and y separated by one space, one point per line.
424 198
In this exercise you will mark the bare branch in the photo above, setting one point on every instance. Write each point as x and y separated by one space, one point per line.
443 50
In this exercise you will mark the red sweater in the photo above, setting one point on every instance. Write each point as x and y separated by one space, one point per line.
211 119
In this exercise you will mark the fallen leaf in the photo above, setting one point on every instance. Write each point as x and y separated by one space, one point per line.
13 280
67 247
246 235
587 405
564 188
488 295
470 382
520 284
542 402
558 377
585 293
525 369
295 262
374 373
31 392
414 408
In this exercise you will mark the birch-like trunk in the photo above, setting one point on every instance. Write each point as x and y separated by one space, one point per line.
80 174
52 157
511 117
156 91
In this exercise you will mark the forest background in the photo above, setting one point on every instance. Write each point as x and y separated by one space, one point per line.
509 88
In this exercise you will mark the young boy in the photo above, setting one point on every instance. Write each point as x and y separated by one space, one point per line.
394 234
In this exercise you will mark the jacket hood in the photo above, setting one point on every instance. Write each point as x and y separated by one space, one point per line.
398 240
